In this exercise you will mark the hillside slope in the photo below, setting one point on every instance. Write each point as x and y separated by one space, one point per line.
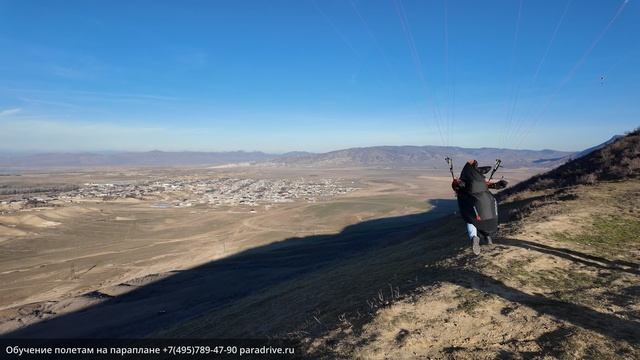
618 160
565 285
562 282
594 148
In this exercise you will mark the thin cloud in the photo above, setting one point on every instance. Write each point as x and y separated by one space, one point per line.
10 111
75 93
50 103
194 59
69 72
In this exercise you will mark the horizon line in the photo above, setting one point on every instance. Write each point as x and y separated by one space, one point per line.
87 151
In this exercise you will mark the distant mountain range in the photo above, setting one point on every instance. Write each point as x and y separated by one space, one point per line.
424 157
149 158
377 156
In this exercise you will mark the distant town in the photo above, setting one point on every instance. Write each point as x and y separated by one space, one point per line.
186 192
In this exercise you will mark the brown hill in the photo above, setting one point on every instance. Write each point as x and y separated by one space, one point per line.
616 161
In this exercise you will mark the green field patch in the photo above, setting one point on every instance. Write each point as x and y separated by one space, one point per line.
607 233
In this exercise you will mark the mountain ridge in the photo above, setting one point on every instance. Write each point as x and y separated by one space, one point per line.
386 156
128 158
428 156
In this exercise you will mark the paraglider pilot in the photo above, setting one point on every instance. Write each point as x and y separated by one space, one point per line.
478 207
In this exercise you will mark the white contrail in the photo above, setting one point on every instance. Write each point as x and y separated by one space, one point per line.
10 111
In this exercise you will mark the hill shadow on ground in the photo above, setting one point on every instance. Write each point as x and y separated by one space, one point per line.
355 263
182 295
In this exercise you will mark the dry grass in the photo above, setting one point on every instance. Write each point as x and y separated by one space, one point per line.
536 297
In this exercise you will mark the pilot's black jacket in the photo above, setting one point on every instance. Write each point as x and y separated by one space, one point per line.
477 204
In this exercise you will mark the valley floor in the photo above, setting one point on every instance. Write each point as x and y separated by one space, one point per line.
128 268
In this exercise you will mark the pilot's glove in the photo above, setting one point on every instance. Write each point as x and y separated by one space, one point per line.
501 184
457 185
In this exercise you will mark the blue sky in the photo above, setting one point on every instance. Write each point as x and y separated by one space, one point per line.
316 75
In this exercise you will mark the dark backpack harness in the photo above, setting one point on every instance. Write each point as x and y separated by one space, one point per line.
476 203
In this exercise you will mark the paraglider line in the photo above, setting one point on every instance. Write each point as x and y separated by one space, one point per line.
578 64
418 63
